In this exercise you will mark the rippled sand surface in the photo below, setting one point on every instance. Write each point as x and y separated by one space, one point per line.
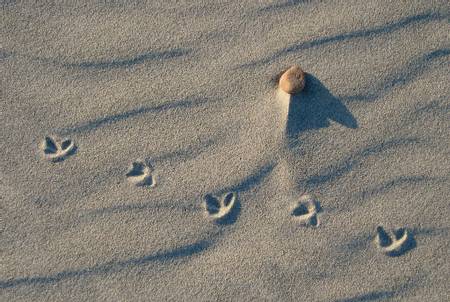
147 155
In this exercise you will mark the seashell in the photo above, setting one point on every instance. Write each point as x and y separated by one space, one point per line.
292 81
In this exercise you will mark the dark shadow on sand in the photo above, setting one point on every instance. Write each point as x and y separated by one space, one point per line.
110 267
282 5
403 290
128 62
366 33
372 296
251 181
404 75
314 107
344 166
138 207
111 119
408 180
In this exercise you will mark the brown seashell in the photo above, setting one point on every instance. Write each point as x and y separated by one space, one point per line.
292 81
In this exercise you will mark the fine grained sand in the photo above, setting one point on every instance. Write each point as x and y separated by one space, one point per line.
187 162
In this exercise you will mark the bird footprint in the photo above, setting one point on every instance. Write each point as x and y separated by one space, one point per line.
219 207
54 150
305 211
140 174
395 245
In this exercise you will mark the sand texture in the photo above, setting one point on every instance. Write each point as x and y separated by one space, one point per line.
148 155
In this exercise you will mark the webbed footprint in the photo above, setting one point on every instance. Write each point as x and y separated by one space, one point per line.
305 211
218 208
55 150
140 174
395 245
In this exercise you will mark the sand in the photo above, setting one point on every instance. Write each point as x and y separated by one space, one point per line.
187 176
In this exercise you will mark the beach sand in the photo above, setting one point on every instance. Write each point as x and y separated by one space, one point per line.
147 154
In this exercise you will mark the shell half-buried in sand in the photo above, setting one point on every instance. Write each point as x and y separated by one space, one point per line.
292 81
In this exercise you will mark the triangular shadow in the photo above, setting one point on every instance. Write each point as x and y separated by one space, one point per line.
314 107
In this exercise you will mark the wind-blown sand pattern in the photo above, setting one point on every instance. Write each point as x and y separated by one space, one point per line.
188 87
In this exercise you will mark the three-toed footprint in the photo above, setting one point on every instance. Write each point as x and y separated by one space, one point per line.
218 208
57 150
394 245
140 174
305 210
